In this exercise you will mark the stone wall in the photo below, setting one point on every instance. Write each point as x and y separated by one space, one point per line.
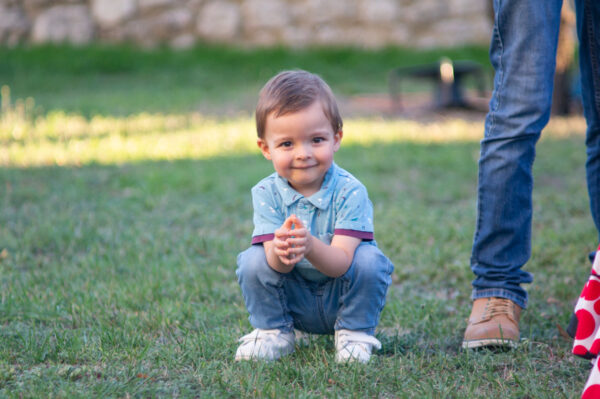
181 23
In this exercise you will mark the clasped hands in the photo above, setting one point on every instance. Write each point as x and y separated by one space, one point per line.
292 241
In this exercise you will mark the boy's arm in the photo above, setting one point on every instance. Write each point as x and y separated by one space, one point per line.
335 259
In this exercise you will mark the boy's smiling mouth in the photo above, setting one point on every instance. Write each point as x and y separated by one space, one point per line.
303 167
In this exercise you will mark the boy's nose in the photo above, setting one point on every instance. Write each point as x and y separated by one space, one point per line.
303 152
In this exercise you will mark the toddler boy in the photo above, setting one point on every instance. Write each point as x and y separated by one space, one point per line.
313 264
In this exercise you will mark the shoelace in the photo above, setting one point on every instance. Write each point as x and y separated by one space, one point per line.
498 306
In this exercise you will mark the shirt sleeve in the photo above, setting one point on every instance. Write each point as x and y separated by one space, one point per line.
354 212
268 215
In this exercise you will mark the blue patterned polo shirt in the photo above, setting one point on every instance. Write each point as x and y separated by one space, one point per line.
340 207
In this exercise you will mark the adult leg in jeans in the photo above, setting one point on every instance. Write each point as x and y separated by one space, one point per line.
522 51
588 31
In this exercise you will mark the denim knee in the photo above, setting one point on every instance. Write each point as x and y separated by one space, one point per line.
252 265
363 290
262 289
370 265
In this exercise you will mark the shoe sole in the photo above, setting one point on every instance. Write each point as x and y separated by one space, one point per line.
480 343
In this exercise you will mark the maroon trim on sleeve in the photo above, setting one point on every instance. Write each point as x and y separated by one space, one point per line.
262 238
363 235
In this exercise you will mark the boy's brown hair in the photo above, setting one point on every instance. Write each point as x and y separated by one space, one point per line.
292 91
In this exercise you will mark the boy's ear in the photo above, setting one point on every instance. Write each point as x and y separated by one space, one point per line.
337 140
264 148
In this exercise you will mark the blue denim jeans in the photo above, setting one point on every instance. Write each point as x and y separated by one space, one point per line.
523 51
285 301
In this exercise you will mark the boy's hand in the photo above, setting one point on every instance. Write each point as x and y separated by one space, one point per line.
292 241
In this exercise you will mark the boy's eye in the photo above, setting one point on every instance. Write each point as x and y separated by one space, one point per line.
286 144
318 140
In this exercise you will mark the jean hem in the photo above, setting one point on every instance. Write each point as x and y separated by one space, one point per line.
368 331
285 328
500 293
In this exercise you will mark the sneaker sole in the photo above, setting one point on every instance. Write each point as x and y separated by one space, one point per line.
479 343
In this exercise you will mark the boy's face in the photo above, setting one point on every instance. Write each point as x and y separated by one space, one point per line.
301 146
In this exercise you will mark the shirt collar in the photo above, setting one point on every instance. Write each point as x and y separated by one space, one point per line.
320 199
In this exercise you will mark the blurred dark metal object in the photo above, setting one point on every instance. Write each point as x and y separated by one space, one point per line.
448 77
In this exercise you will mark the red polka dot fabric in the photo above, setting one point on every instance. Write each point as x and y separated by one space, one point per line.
587 336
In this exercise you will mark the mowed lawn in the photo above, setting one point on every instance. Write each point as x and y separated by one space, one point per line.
120 225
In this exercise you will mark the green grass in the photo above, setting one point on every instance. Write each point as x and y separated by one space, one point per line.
118 272
121 80
118 238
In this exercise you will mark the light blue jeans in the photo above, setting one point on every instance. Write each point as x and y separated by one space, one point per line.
286 301
523 51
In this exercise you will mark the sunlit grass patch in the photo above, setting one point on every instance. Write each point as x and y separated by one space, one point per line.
29 137
70 139
450 129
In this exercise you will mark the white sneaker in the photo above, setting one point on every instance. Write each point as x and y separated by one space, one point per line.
354 346
265 345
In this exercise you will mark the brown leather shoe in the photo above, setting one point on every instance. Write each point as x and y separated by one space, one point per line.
493 322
